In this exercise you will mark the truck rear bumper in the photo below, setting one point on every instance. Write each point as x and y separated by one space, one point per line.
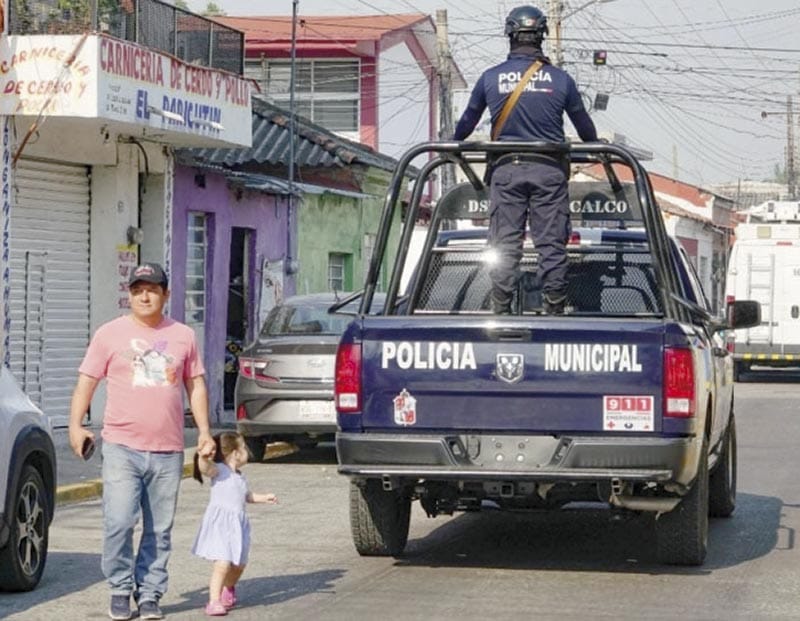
509 457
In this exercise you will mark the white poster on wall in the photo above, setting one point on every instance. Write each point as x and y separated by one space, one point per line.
271 287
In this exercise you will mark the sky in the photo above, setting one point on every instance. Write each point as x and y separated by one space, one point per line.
687 79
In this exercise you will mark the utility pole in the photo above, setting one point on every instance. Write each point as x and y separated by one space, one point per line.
554 8
791 178
289 268
791 175
445 91
674 161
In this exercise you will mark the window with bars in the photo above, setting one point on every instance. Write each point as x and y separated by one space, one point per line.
196 251
326 91
339 272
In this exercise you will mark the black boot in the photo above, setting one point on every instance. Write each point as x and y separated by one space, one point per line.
554 302
500 308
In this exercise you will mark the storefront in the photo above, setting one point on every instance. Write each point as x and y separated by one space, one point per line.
89 126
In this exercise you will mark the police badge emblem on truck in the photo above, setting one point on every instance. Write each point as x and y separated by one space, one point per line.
510 367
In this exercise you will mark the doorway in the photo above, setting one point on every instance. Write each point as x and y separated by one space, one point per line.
239 315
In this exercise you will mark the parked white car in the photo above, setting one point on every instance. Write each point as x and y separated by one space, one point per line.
27 487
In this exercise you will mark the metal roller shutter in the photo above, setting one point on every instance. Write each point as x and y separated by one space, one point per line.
49 260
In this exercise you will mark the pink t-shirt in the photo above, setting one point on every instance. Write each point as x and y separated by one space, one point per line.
145 369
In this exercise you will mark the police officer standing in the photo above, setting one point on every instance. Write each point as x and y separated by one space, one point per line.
528 186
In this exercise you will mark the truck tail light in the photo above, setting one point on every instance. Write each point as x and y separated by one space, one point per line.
347 378
679 383
241 412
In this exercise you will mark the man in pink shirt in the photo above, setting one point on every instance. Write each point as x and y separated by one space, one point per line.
147 359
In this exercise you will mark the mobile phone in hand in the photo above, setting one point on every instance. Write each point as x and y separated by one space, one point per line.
88 449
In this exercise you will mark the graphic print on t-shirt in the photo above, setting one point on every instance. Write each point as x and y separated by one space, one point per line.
151 365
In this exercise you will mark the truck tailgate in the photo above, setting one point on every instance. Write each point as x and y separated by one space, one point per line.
512 375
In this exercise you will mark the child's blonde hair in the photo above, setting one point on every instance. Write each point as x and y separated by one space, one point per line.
225 443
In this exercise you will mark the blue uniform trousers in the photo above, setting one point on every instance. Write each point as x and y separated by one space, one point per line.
537 192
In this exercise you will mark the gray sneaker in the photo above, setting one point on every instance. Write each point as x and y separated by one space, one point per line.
148 609
120 607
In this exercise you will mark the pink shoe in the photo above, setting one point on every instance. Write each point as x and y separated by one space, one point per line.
216 609
228 597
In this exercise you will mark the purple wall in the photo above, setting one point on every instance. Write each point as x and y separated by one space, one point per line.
265 215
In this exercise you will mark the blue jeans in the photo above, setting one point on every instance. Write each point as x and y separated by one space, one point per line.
138 483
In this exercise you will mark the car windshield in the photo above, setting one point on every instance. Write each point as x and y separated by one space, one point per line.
304 318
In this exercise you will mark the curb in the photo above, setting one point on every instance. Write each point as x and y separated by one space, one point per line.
93 489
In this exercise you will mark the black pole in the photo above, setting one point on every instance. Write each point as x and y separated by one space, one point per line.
289 253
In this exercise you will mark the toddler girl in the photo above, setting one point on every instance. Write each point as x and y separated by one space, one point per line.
224 535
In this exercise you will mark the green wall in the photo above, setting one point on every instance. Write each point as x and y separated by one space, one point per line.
329 223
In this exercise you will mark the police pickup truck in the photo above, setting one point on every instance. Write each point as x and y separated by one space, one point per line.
625 400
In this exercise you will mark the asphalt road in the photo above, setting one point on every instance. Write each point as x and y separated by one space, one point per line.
569 565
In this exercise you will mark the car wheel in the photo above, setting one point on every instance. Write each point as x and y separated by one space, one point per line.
256 445
722 482
379 519
682 534
22 560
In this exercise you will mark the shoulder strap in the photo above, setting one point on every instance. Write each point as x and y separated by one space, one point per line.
508 106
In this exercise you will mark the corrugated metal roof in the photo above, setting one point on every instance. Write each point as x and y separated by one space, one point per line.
273 185
268 183
315 146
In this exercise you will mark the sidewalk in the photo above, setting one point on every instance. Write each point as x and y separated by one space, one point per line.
80 480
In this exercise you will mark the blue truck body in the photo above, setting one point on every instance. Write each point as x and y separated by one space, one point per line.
625 400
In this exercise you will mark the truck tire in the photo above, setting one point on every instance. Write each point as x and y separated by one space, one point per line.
379 520
682 534
722 481
23 559
738 369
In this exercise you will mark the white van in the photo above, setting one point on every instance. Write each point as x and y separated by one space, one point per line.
764 265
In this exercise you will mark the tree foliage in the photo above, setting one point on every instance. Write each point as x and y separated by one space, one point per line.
212 9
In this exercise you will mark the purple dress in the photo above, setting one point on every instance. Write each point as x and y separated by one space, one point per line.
224 534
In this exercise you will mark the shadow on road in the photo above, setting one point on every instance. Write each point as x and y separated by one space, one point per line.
65 573
766 375
265 591
594 540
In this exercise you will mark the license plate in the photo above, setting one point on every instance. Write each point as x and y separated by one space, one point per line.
317 410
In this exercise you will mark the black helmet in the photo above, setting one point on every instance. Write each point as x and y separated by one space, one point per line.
526 19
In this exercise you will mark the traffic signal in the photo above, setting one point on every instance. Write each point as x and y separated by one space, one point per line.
600 57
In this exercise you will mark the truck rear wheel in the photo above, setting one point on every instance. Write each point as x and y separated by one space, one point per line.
682 534
722 482
379 519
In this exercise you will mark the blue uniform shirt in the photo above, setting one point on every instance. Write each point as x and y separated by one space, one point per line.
538 114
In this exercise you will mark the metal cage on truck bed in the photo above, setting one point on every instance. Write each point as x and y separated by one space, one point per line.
622 275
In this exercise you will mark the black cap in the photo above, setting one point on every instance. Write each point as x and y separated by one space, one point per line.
149 272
